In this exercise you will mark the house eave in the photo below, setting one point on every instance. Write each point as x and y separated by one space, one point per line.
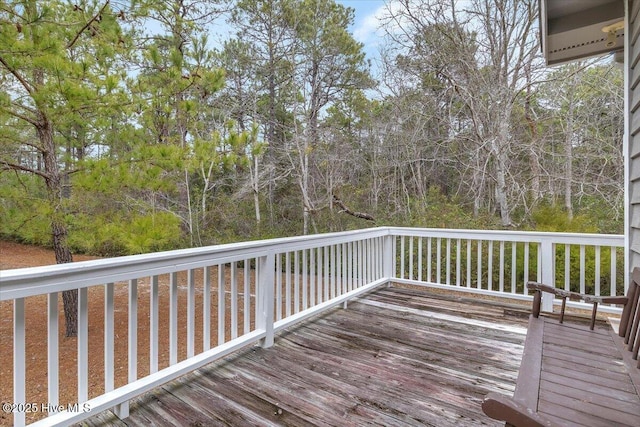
573 30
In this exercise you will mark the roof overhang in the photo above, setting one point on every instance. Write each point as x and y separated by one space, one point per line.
575 29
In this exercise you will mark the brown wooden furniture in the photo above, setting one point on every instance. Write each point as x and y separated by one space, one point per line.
572 375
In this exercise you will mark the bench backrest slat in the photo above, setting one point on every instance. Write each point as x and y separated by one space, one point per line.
630 335
630 307
630 320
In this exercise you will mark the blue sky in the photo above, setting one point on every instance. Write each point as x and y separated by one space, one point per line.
365 28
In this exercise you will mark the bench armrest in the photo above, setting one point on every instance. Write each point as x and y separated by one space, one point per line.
538 288
503 408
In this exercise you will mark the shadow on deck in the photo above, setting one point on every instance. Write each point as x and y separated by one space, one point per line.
395 357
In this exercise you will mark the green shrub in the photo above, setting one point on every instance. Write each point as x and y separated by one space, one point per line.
117 234
555 219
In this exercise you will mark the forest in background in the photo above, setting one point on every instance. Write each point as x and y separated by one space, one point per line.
134 126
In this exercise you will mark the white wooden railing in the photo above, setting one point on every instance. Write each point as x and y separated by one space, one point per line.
222 298
499 263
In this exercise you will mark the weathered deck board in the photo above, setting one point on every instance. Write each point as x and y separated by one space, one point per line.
397 357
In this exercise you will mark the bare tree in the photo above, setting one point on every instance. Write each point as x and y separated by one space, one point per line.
482 52
582 110
329 62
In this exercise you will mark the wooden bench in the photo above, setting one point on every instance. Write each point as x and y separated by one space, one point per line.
572 374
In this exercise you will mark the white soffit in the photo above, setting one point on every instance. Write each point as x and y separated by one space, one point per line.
573 29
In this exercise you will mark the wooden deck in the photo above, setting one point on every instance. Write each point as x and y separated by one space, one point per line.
395 357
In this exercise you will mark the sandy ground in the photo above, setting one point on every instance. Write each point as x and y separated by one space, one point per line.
14 255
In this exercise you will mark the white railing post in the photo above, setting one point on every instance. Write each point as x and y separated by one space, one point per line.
191 312
109 334
19 362
548 272
52 351
154 298
83 345
173 318
388 260
266 275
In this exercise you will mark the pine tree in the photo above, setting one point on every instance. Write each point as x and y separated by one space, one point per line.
57 72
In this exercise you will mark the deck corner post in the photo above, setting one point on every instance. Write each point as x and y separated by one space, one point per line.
122 410
265 281
547 272
388 258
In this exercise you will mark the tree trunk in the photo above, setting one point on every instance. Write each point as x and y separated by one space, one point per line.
55 183
534 161
498 146
310 142
568 167
256 190
69 298
477 185
305 190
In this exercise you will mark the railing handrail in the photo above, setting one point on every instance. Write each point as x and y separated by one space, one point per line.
31 281
511 235
24 282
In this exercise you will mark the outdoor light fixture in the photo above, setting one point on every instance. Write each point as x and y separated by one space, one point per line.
611 31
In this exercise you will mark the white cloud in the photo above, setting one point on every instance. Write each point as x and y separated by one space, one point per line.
367 29
367 26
